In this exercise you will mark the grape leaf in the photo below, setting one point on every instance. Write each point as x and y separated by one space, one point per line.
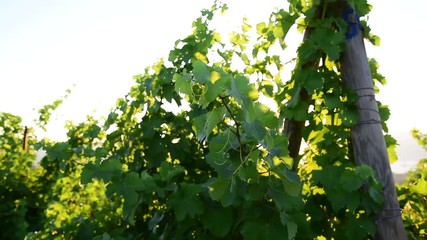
183 83
107 169
421 186
210 94
242 90
391 148
185 202
349 181
248 171
218 188
329 41
220 162
262 113
218 220
129 187
256 229
201 72
204 124
168 171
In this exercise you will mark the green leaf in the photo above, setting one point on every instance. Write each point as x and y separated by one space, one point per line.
204 124
329 41
218 221
311 80
359 228
131 199
308 51
384 111
221 163
349 181
183 83
219 143
337 199
376 194
248 171
421 186
185 202
106 236
242 90
333 101
93 131
299 112
283 200
287 21
327 176
349 116
168 171
107 169
59 151
391 144
317 136
210 94
267 87
292 183
255 129
147 182
129 187
261 28
201 72
245 26
219 188
364 172
384 115
256 229
256 192
296 97
226 191
362 7
292 229
374 39
133 181
278 31
263 114
276 144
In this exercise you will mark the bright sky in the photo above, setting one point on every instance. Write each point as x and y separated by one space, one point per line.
48 46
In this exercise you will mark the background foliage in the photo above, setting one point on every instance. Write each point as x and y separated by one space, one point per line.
413 195
216 165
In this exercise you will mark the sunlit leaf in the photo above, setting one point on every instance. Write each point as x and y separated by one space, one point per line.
183 83
201 72
421 186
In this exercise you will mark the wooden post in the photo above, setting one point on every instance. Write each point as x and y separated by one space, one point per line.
367 136
25 139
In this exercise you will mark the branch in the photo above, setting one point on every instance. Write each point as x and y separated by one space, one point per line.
237 132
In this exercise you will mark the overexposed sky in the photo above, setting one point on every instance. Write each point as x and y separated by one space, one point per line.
47 46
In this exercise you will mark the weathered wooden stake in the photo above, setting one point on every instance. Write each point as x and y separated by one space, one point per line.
367 136
25 139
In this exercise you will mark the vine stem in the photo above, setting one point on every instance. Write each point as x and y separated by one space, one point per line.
237 132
